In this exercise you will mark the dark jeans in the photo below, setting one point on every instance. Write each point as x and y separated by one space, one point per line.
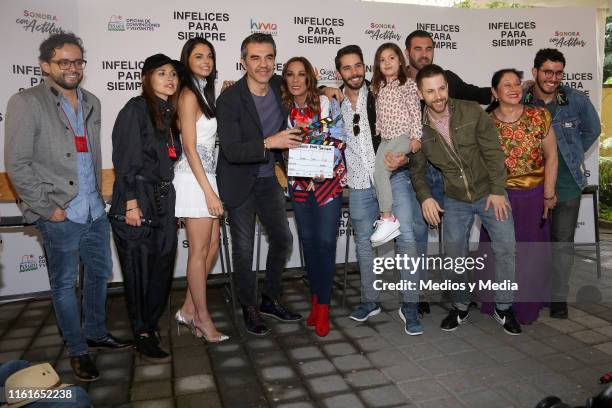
65 242
268 202
562 229
318 229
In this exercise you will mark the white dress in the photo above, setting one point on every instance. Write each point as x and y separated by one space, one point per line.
190 201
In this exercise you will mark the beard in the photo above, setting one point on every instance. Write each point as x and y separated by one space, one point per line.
59 79
349 85
419 64
436 101
541 86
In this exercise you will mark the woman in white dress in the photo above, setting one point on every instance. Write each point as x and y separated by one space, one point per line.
197 197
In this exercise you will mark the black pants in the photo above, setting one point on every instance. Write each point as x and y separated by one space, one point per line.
562 229
268 202
147 256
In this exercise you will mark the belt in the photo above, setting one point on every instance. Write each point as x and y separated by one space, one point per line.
156 183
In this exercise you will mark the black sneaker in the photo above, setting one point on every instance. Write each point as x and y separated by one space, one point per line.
423 307
83 368
273 308
454 319
508 321
558 310
148 347
253 323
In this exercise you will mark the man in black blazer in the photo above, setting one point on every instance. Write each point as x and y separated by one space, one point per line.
252 126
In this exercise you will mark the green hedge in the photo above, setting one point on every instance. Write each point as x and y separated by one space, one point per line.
605 188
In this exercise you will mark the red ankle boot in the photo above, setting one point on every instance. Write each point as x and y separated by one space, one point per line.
312 317
322 326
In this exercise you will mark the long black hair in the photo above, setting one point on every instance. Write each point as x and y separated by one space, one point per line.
495 82
189 80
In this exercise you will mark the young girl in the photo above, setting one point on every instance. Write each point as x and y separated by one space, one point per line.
398 119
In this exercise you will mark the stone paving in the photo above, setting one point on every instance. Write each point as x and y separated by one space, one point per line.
372 364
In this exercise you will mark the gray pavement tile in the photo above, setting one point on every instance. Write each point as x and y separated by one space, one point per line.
605 347
440 365
267 359
464 382
505 354
558 385
385 358
591 356
540 331
194 384
15 344
590 337
185 366
360 332
449 402
453 345
472 359
186 339
156 403
590 321
116 375
278 373
46 354
237 379
305 353
376 343
22 332
366 379
328 384
418 352
206 399
535 348
407 371
100 393
351 362
300 404
288 329
339 349
286 392
316 368
119 358
290 342
521 393
385 396
47 341
423 390
11 355
565 325
342 401
151 390
152 372
232 363
333 337
483 341
564 343
527 367
260 344
485 399
562 362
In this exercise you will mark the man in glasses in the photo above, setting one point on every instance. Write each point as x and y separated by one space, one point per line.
359 113
577 127
53 158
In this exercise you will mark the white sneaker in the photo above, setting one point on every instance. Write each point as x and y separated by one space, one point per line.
386 230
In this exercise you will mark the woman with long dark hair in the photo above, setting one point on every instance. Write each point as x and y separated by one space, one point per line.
146 147
317 202
197 197
530 146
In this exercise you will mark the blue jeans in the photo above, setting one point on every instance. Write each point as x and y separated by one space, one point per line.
363 208
458 219
318 231
78 399
65 242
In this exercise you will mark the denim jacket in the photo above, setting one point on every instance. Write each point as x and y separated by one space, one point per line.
576 126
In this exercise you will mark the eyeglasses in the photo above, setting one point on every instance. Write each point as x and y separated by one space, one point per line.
64 64
356 128
548 74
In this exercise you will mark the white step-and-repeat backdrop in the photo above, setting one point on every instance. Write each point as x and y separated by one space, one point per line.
119 35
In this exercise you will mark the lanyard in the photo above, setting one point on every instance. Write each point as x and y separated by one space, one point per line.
80 141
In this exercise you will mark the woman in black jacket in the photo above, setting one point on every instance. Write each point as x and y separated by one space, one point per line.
145 148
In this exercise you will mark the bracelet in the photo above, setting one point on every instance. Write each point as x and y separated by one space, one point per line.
131 209
550 198
265 143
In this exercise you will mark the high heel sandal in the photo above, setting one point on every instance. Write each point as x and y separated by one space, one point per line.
182 320
201 333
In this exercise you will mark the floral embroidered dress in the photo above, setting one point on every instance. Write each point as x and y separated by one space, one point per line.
326 190
522 145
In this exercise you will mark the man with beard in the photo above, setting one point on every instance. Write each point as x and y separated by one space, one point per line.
460 139
359 113
577 127
420 53
53 158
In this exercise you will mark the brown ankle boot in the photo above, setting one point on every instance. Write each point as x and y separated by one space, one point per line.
322 326
312 317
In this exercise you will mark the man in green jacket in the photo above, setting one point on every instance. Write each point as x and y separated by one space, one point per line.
460 139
